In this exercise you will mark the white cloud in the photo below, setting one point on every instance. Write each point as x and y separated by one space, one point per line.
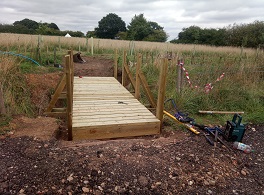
173 15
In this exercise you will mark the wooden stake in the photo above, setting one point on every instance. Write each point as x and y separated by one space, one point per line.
87 45
137 87
221 112
92 46
69 96
179 77
2 101
115 65
123 67
162 90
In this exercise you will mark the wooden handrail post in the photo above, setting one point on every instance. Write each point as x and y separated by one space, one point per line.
137 87
115 65
69 95
70 52
123 67
162 90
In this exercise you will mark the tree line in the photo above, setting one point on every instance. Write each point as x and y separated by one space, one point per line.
112 26
27 26
245 35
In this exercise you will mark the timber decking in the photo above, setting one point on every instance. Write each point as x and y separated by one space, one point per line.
103 108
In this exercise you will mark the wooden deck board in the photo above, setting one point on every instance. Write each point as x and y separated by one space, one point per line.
103 108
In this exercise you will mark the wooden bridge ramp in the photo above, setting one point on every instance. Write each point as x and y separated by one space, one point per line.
103 108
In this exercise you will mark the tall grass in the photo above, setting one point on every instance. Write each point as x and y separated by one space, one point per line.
16 93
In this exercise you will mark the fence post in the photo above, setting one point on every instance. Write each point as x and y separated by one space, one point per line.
179 74
123 68
69 95
162 90
92 46
137 87
115 65
87 45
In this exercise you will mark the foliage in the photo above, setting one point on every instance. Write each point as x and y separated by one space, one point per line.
197 35
109 26
90 34
246 35
30 24
44 29
27 26
140 29
16 93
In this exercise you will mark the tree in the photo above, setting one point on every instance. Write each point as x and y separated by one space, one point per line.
140 29
247 35
90 34
53 26
189 35
109 26
30 24
197 35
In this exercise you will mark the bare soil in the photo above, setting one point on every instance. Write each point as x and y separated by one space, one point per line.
36 159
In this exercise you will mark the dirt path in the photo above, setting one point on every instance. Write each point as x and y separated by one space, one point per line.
176 162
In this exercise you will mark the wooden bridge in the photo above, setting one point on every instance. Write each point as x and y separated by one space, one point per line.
100 107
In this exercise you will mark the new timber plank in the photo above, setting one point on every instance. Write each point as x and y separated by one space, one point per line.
103 108
115 131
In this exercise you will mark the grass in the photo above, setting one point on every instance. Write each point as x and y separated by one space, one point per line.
13 83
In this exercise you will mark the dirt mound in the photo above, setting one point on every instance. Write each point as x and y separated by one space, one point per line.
33 127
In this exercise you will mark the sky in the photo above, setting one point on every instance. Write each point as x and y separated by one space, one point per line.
173 15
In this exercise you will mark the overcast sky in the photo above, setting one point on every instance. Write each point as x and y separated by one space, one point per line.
173 15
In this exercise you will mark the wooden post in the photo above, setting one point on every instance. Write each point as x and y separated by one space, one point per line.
25 49
48 54
69 95
162 90
59 43
55 55
2 101
115 65
137 87
182 75
87 45
179 77
70 52
92 46
123 67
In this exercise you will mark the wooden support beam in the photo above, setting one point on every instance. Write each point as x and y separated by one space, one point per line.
130 76
123 68
57 93
59 109
69 95
115 64
61 96
147 89
162 90
56 114
138 67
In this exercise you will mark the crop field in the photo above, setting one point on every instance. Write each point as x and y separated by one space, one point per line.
240 89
